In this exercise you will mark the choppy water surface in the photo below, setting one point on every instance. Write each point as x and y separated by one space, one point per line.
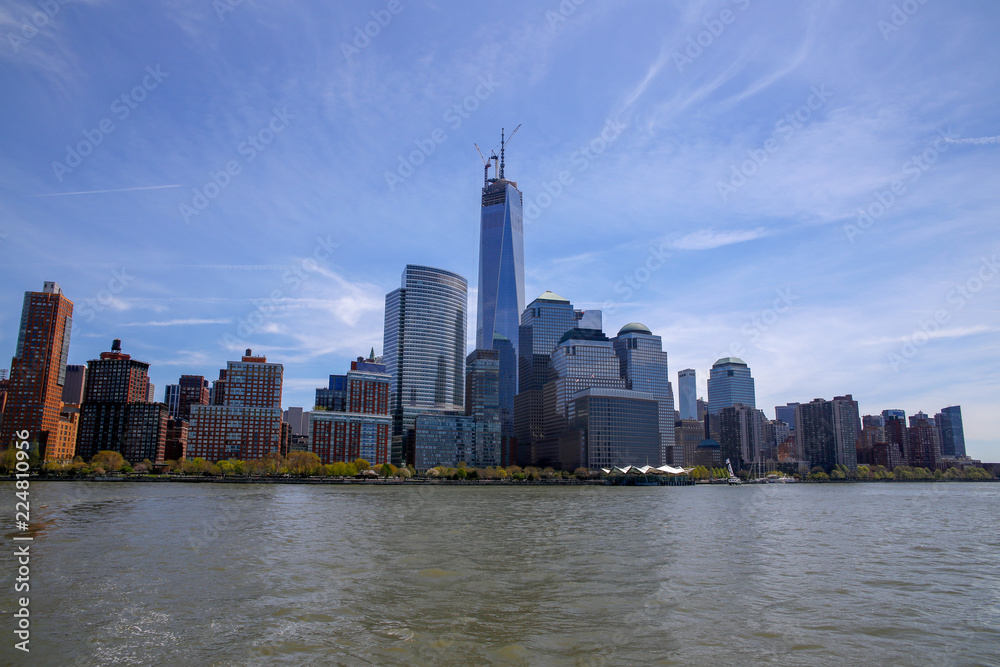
229 574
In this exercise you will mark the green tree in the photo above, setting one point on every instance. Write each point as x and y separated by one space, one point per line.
108 460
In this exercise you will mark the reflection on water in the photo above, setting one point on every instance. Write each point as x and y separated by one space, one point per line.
232 574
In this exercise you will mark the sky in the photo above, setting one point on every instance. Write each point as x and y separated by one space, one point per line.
810 186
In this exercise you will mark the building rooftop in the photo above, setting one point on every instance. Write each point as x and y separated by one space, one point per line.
583 334
551 296
730 360
635 327
708 444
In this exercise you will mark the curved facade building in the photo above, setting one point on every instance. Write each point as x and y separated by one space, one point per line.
424 349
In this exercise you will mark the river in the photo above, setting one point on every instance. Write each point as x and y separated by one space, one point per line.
225 574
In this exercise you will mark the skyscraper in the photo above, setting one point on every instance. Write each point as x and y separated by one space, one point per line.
247 425
730 383
501 282
644 367
949 422
786 413
194 391
424 349
38 369
583 359
543 323
687 394
827 431
115 414
501 260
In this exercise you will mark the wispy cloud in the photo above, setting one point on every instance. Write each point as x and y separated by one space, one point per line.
177 323
980 141
97 192
707 239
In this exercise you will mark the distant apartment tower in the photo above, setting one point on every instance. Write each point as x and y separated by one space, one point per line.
115 415
76 379
247 425
172 398
949 423
38 370
730 383
194 391
424 349
827 432
644 367
687 394
786 413
923 442
688 433
741 434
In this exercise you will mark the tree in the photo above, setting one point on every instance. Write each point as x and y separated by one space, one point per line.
108 460
387 470
362 465
582 473
302 464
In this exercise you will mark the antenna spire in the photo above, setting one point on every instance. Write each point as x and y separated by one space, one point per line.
502 146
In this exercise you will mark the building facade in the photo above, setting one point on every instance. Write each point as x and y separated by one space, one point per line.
194 390
730 383
115 415
827 432
644 367
38 369
357 423
687 394
247 425
424 349
949 423
543 324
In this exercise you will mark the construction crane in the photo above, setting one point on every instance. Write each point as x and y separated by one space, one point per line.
486 164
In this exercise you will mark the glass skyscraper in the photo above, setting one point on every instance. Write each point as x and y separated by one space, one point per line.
687 394
543 323
644 367
949 423
501 263
730 383
424 349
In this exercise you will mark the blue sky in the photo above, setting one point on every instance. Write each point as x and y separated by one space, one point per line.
257 174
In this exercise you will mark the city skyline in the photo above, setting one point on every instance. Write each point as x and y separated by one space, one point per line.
296 246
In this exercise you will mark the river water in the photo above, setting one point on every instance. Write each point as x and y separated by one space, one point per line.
225 574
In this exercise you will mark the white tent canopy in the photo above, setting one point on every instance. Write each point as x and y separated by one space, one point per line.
649 470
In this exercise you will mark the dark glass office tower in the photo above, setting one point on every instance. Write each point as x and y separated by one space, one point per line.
424 350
